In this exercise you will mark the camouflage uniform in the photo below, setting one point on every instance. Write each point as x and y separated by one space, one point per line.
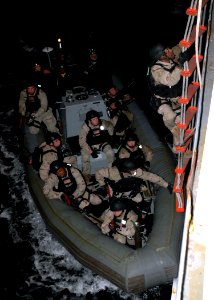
43 114
114 174
49 157
81 193
86 148
124 234
161 75
147 151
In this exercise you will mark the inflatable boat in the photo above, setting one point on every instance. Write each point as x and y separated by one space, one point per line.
132 270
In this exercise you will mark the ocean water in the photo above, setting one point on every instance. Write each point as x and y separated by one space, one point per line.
34 265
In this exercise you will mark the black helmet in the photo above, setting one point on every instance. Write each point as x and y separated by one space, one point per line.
30 82
92 114
157 51
127 165
118 204
131 137
114 100
56 165
51 136
92 50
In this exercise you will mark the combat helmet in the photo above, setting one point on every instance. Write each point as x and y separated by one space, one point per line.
51 136
127 165
92 114
157 51
131 137
56 165
118 204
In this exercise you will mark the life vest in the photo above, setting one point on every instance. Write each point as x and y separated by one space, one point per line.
33 102
162 90
68 183
136 155
97 136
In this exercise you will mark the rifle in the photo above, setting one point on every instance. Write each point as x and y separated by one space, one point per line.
93 219
125 90
137 236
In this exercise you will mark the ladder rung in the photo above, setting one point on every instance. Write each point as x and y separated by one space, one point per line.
192 88
183 148
186 158
203 3
190 113
202 29
188 134
191 65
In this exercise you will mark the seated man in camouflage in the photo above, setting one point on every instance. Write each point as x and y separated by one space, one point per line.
66 182
118 222
121 119
53 149
33 105
129 179
142 154
95 135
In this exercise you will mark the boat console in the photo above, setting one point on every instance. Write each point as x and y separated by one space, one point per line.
71 113
74 106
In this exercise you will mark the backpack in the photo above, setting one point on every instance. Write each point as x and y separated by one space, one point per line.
37 157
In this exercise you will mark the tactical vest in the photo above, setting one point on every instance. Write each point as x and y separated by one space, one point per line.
122 123
162 90
68 183
123 220
33 102
97 136
137 156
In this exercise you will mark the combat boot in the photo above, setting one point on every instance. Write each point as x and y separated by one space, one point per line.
176 135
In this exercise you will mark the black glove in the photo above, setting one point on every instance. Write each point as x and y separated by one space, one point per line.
147 165
170 188
184 56
94 154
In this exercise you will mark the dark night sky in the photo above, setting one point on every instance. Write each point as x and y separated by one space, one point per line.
124 32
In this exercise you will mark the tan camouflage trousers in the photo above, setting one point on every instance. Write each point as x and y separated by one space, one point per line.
48 119
86 167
